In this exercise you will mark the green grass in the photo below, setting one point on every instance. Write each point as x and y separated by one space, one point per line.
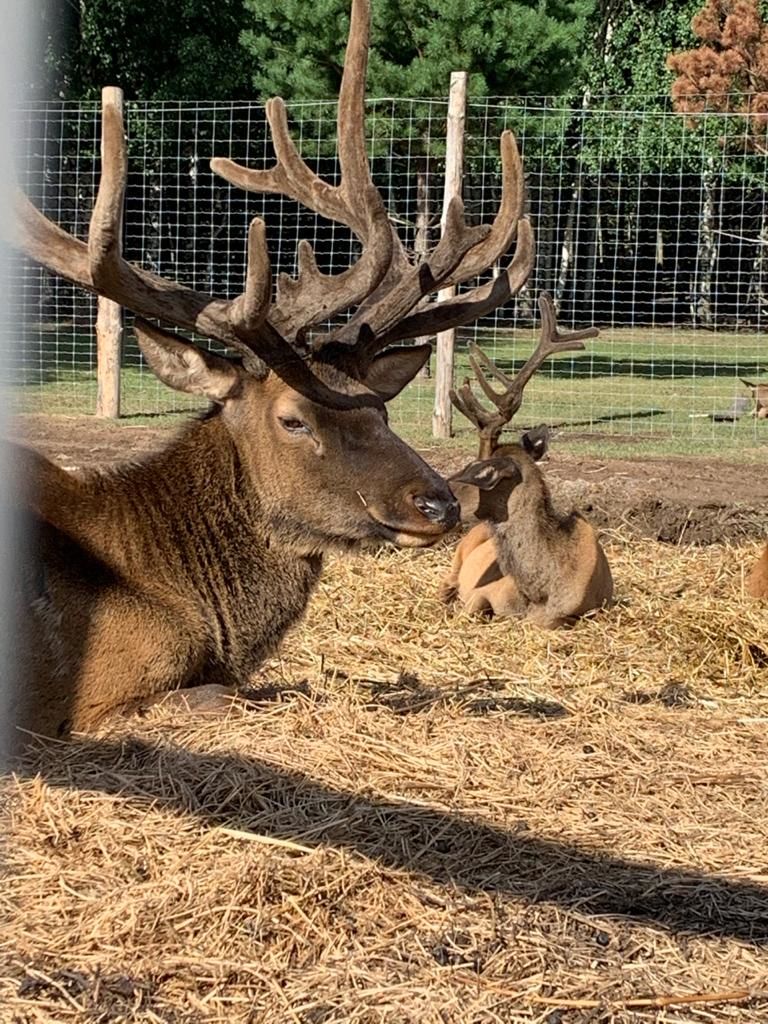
631 392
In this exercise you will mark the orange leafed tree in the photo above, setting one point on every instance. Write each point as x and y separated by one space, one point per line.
728 72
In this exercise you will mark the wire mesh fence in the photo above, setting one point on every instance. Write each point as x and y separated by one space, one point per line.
652 228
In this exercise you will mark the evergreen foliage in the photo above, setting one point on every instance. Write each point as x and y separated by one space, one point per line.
520 47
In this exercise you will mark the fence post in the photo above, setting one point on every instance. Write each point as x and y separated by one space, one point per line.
109 316
454 169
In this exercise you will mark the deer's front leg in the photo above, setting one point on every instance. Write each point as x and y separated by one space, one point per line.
449 587
96 650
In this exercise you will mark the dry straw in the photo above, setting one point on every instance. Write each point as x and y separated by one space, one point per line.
419 817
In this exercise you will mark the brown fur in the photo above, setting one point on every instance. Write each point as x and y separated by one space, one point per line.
476 579
757 581
490 504
189 567
759 394
535 564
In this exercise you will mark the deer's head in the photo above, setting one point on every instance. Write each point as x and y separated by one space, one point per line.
304 402
484 486
315 441
485 496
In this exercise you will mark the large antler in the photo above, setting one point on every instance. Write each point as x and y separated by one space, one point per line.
98 265
313 297
385 288
507 402
484 299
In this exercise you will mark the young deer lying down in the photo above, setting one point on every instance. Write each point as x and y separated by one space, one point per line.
534 564
757 581
759 393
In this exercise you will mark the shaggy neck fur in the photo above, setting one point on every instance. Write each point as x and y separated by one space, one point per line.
188 526
534 536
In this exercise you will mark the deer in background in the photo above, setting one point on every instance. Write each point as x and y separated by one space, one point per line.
757 581
759 394
491 504
525 560
189 567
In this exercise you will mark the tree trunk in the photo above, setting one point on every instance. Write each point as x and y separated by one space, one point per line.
547 237
706 258
567 249
587 292
756 293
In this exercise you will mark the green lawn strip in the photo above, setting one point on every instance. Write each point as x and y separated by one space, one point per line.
643 392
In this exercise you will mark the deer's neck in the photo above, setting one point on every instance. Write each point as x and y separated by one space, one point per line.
187 527
532 539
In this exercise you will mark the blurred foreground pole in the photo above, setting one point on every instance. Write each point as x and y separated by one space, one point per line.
16 19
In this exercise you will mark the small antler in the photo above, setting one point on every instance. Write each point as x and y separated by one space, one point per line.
507 402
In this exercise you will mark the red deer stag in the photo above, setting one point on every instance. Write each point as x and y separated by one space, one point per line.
525 561
189 567
757 581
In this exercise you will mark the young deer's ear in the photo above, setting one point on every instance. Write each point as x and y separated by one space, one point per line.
536 442
484 475
487 473
392 370
184 367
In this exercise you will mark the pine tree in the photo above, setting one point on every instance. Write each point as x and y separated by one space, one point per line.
508 48
152 49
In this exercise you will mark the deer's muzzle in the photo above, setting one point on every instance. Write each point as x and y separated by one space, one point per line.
438 510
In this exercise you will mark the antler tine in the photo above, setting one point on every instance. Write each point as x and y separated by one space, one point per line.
313 297
504 227
99 267
550 342
508 402
249 310
478 358
353 159
466 402
410 286
469 306
104 241
480 301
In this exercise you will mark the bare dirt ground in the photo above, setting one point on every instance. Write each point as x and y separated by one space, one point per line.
692 500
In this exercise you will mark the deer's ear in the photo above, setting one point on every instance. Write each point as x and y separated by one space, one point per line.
536 442
392 370
483 475
184 367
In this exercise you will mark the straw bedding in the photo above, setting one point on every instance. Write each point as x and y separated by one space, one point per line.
420 817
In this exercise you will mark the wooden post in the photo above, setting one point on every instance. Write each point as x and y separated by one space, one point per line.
109 317
454 169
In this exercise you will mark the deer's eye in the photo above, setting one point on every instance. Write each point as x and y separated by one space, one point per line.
294 426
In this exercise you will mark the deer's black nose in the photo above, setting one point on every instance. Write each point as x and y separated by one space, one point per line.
443 511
